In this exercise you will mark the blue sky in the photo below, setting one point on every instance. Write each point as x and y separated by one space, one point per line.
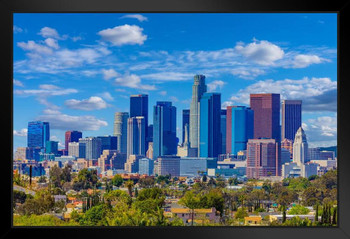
77 70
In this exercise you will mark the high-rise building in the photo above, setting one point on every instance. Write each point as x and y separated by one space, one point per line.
139 107
136 143
327 155
239 128
300 147
23 153
92 147
121 130
164 129
38 134
266 109
185 149
185 120
291 118
132 163
288 145
146 166
169 165
71 136
209 125
108 142
76 149
313 154
51 147
223 130
263 158
198 89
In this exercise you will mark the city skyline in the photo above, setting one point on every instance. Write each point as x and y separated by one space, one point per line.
54 95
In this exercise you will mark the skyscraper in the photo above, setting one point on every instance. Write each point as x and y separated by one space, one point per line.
209 125
164 129
263 158
71 136
291 118
185 120
139 107
92 147
108 142
136 143
266 109
199 87
38 134
121 130
240 128
223 130
300 147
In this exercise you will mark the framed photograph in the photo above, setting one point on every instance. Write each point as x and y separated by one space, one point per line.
186 119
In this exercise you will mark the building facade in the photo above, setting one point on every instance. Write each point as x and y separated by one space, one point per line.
71 136
164 129
198 89
92 147
38 134
239 128
291 118
262 158
136 143
121 130
266 109
209 125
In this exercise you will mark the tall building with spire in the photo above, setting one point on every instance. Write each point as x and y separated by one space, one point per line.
198 89
300 147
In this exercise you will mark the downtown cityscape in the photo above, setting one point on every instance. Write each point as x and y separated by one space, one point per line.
264 156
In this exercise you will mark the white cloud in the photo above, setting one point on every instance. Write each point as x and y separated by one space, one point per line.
45 91
48 32
107 96
262 53
52 43
133 81
321 131
123 35
248 73
139 17
212 86
17 83
163 92
317 94
169 76
302 61
109 74
34 47
93 103
62 121
21 133
17 29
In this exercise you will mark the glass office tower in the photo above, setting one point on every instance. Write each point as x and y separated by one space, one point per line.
209 125
266 115
164 129
291 118
198 89
38 134
240 128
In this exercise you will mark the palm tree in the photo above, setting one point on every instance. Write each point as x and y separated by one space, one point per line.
129 184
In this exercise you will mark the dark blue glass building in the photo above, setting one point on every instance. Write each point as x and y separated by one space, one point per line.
164 129
291 118
240 128
38 134
209 125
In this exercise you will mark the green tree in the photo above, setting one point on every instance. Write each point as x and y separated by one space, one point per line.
130 185
241 213
117 180
191 201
